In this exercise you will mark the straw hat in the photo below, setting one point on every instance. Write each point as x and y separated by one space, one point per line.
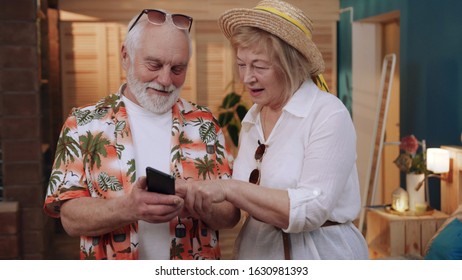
280 19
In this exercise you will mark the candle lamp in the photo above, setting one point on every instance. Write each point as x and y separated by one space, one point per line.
400 200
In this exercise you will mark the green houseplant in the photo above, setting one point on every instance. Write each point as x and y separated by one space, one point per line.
231 113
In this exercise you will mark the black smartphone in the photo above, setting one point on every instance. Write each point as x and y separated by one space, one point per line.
159 181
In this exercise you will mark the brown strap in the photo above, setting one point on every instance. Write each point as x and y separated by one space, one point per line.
330 223
286 238
286 242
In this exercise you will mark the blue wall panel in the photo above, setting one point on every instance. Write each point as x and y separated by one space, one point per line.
430 67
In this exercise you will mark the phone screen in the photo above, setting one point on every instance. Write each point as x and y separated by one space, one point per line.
159 181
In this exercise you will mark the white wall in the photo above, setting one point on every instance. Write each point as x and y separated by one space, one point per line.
366 66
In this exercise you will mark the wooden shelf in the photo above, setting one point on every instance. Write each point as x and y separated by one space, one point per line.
390 235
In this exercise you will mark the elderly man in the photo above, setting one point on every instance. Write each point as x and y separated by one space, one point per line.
98 184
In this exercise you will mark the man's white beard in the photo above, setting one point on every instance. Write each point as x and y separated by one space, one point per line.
152 102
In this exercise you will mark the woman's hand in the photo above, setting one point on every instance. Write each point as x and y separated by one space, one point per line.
200 196
181 189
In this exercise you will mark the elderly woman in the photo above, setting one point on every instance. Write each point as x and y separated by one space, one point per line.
295 172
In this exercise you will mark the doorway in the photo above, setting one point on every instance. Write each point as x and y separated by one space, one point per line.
372 39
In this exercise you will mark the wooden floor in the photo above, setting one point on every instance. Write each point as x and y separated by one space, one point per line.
67 248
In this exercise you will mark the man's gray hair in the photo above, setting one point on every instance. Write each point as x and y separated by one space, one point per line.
133 36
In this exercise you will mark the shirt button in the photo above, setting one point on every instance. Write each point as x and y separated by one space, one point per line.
316 192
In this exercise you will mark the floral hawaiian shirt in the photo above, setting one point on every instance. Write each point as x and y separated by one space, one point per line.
95 157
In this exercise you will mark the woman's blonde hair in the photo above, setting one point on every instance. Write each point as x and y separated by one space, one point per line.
293 66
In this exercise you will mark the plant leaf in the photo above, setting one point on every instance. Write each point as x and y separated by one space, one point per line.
233 134
225 118
241 111
230 100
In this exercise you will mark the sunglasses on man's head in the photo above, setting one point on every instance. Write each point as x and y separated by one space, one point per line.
254 177
158 17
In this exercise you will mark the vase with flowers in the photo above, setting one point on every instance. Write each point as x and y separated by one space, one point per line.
411 161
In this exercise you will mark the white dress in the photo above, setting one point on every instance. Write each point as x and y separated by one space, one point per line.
311 152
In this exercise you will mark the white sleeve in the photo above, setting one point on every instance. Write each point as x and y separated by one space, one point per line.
329 159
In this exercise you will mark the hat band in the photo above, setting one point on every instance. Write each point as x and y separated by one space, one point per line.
286 17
